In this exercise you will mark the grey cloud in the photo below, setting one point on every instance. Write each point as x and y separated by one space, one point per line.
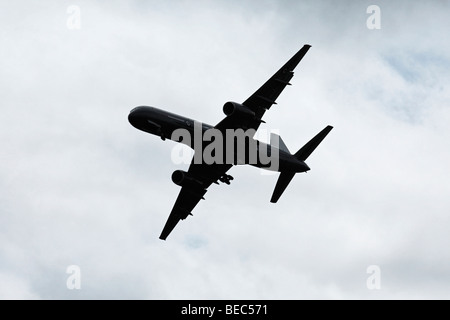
80 186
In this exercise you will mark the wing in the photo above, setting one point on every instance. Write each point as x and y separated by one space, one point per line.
265 97
198 178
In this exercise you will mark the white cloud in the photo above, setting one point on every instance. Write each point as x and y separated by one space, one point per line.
15 288
81 186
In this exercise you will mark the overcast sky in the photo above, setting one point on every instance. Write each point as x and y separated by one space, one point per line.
80 186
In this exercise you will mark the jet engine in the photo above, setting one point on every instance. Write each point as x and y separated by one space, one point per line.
237 109
180 177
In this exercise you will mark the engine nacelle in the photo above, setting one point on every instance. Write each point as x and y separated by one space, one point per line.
180 177
237 109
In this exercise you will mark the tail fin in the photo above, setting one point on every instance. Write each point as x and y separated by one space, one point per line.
302 154
275 140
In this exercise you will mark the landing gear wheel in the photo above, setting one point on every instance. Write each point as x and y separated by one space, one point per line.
161 134
226 178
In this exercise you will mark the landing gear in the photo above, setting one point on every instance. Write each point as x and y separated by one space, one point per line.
226 178
161 134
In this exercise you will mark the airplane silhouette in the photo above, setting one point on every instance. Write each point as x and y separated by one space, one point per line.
230 142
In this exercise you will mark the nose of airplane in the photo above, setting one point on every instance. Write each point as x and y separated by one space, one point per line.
137 114
132 116
139 117
135 117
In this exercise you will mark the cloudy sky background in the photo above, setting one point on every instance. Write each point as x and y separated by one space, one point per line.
80 186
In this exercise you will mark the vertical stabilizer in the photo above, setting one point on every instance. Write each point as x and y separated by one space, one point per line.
276 141
302 154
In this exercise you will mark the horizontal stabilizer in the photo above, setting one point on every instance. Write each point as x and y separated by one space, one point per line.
282 183
309 147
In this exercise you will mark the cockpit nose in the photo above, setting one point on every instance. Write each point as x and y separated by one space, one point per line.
140 116
136 116
132 117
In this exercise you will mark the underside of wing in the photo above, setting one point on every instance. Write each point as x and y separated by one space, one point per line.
194 185
249 114
265 96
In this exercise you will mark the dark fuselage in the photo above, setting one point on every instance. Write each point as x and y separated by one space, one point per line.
169 126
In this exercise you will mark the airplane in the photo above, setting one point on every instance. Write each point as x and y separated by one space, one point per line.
246 117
